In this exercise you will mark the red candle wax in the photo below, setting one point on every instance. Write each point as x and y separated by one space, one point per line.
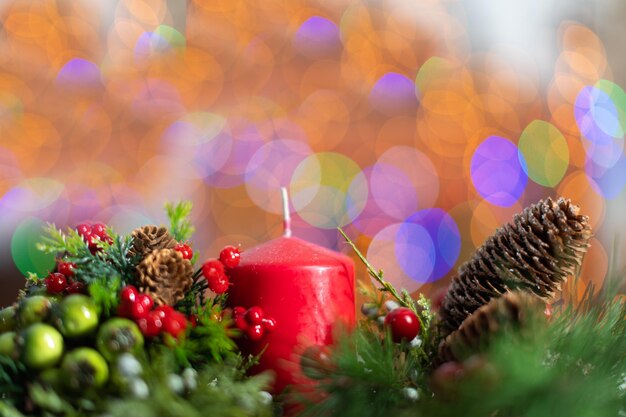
306 288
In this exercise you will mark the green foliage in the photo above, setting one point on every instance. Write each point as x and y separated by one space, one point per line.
369 377
180 226
211 339
109 262
55 241
222 391
12 376
105 293
571 367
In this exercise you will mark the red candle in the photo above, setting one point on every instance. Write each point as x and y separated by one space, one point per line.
306 288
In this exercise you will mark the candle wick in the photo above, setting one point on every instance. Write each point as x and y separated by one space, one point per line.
286 212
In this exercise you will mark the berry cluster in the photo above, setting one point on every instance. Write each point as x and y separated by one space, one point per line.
214 270
91 234
252 322
61 281
151 322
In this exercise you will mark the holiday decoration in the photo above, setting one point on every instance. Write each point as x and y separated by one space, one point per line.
165 275
155 333
123 319
511 309
403 323
507 357
150 238
537 251
252 322
307 289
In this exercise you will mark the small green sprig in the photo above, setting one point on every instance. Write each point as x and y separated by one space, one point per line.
180 225
56 241
424 314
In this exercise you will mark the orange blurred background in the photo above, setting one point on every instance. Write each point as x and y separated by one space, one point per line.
418 127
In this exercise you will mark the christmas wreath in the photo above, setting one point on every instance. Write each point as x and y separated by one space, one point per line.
134 325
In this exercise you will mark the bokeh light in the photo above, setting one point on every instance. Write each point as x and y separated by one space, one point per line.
393 94
497 172
543 153
317 37
328 190
26 256
428 245
405 123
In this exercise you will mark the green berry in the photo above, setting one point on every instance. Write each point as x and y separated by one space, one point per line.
84 368
33 309
7 319
119 335
77 316
51 377
41 346
8 344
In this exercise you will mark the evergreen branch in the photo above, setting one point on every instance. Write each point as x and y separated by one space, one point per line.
55 241
403 297
104 293
180 225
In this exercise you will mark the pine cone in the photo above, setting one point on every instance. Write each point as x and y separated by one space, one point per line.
543 245
165 275
149 238
512 309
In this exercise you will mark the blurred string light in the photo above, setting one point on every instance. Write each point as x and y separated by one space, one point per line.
377 115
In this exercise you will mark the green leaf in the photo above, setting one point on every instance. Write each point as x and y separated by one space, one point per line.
180 225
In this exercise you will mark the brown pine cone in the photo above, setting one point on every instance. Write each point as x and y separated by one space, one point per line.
537 251
149 238
512 309
165 275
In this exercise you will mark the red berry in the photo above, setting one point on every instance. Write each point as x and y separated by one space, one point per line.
403 323
193 319
84 230
66 268
219 285
230 256
255 333
185 250
241 323
138 310
175 324
239 311
145 300
92 242
76 287
151 325
99 230
128 295
164 311
254 315
269 324
212 269
55 283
